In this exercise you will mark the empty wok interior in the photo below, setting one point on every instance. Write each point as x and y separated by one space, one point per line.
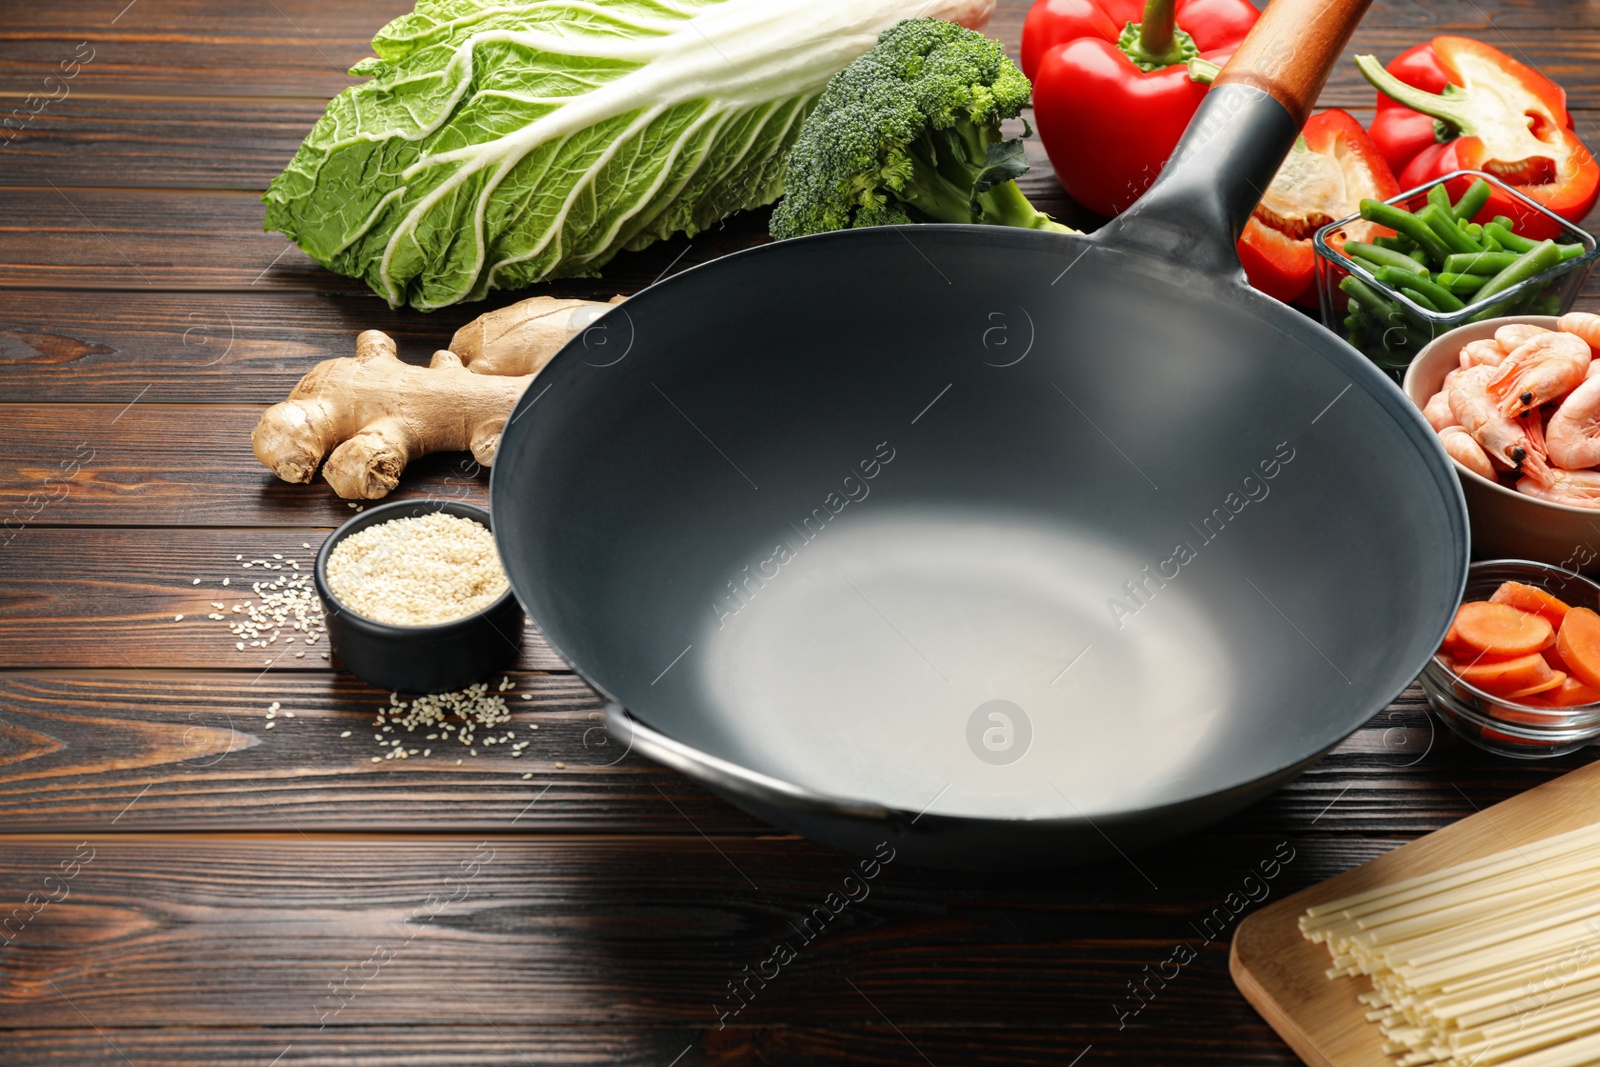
817 508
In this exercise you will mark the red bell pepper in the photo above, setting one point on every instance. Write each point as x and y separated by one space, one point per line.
1111 86
1331 168
1458 104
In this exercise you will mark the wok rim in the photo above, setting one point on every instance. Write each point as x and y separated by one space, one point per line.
721 773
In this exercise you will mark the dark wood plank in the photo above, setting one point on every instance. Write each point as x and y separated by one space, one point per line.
302 48
172 142
160 464
109 598
77 747
248 347
285 48
158 930
150 240
872 1044
163 750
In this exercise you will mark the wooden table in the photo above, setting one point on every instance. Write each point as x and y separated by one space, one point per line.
205 890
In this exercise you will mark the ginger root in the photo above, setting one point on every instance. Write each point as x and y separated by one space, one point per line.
382 413
375 413
522 337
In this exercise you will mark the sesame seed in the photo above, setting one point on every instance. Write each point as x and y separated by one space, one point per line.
418 571
377 759
525 777
197 581
270 725
177 618
345 734
561 766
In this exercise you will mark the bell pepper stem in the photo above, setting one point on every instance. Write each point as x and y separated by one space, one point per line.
1450 109
1155 29
1203 71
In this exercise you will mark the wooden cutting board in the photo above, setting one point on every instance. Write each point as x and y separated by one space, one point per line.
1281 973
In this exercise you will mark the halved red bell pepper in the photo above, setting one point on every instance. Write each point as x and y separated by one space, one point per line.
1332 167
1459 104
1111 87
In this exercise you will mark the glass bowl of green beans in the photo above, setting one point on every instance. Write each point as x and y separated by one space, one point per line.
1405 270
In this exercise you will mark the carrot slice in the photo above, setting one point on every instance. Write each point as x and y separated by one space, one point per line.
1507 675
1456 648
1556 678
1579 645
1503 630
1531 598
1552 656
1570 694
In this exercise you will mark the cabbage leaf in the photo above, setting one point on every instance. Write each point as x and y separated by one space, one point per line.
500 143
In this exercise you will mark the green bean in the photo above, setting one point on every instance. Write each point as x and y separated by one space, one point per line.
1506 221
1402 221
1439 196
1487 264
1540 258
1472 201
1444 224
1383 257
1418 297
1548 304
1438 297
1531 264
1511 242
1371 300
1473 230
1489 243
1395 244
1419 256
1462 284
1572 251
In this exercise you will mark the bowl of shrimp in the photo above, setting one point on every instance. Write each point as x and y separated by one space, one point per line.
1516 404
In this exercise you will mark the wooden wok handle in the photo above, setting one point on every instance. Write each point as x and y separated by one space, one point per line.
1292 49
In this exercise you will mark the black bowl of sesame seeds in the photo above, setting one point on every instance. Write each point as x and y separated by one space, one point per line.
415 598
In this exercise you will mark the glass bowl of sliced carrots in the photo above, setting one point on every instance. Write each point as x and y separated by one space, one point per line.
1519 672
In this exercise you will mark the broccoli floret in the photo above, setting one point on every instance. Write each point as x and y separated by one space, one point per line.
910 132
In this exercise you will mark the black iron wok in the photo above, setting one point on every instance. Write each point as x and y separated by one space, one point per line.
1006 547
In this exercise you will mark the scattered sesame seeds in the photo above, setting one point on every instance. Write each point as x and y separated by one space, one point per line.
418 571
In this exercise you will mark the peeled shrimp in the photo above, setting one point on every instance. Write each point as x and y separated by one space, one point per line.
1572 436
1579 489
1539 371
1514 335
1506 440
1437 410
1484 351
1584 324
1465 451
